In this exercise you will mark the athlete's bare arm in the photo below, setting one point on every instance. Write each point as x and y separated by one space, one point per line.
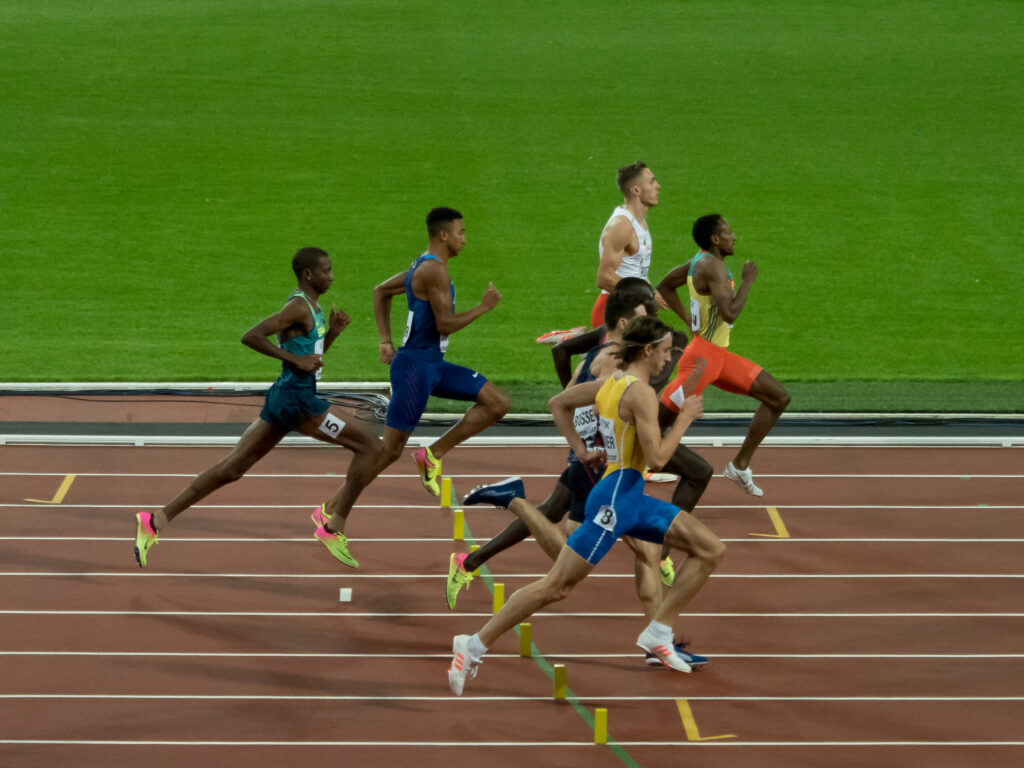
564 405
431 282
563 351
293 320
617 241
639 404
710 278
382 295
668 289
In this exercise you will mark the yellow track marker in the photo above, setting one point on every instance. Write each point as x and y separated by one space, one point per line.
780 527
458 525
559 670
600 726
499 596
61 492
690 725
525 641
446 491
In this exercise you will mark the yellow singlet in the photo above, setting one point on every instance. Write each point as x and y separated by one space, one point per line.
620 441
704 319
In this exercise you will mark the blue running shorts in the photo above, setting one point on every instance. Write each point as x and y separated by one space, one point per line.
618 507
415 378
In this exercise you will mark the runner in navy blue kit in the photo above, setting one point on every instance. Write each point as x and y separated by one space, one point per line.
291 404
418 368
576 481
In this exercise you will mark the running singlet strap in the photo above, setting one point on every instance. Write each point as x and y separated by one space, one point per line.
310 343
421 332
621 445
704 318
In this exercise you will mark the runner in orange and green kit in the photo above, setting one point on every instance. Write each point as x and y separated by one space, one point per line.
714 304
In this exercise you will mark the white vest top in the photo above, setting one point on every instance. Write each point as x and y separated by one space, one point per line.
639 264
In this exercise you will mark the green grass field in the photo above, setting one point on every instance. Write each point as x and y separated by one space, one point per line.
163 160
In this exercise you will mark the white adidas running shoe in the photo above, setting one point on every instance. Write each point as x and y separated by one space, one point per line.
744 478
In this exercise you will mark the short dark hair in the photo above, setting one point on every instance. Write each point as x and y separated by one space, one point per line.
704 228
439 218
627 174
635 284
622 304
306 258
638 333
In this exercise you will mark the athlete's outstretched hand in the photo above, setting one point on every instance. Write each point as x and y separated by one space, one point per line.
749 272
387 352
491 297
339 320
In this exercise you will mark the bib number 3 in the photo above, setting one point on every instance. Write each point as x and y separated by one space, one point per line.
606 518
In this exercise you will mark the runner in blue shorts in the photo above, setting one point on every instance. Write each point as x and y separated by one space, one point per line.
418 368
627 409
291 404
576 482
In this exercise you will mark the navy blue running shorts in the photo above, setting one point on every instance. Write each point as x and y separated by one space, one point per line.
414 379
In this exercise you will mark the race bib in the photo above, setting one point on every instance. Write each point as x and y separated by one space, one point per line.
318 348
611 447
605 518
584 421
694 316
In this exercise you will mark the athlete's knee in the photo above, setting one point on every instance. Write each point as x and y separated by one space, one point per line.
710 549
497 403
389 454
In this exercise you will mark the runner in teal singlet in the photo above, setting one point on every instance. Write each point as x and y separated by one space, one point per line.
291 404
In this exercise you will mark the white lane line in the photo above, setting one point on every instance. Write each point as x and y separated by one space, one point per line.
449 614
341 475
449 697
704 507
447 655
529 744
505 744
448 539
139 574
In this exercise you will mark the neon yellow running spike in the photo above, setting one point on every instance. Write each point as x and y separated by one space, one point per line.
337 545
458 577
668 572
145 537
430 470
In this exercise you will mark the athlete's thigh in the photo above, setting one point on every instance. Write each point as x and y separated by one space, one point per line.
767 388
687 463
698 367
456 382
569 569
653 519
690 535
338 428
646 552
255 443
737 375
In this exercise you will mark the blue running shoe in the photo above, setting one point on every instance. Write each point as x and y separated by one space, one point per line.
499 494
694 660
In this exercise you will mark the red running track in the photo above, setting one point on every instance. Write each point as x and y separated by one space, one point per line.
883 629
